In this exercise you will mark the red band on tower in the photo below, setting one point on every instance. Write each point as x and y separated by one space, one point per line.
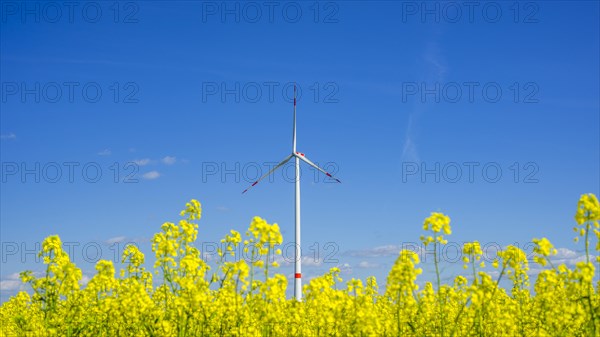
298 275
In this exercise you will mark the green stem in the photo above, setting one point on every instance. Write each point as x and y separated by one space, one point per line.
437 271
587 243
439 283
474 272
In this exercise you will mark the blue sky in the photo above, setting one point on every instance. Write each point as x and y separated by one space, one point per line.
187 99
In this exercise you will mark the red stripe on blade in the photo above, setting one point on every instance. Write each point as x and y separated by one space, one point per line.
256 182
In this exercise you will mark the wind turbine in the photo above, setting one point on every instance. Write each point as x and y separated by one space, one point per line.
298 156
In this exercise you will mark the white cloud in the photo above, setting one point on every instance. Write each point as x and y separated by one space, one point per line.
563 256
368 265
105 152
12 282
564 253
84 279
151 175
116 239
568 257
379 251
9 136
409 150
168 160
208 256
345 268
9 285
307 261
142 162
434 70
310 261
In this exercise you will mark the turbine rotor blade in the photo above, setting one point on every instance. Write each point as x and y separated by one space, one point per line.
268 173
306 160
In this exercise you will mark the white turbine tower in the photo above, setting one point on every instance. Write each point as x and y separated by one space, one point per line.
298 156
